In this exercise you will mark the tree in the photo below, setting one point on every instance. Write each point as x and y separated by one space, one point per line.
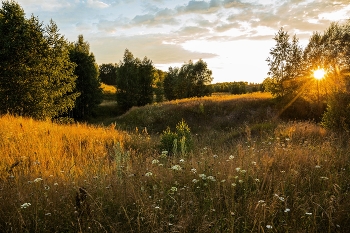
36 76
191 80
134 81
87 83
108 73
284 62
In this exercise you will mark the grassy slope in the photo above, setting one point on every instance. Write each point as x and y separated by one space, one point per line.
246 173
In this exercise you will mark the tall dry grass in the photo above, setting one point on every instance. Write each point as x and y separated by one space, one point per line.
266 176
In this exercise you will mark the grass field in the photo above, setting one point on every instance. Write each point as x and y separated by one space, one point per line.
247 171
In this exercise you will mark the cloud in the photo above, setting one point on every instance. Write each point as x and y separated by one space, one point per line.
96 4
152 46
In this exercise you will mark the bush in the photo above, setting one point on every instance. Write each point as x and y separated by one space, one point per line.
178 141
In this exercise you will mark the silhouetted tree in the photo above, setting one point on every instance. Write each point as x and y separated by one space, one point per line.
191 80
134 81
108 73
36 75
87 83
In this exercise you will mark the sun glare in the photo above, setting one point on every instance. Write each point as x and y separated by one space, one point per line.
319 73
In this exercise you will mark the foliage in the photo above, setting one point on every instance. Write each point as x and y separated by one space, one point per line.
237 87
36 75
87 83
191 80
331 51
285 64
178 141
108 73
158 86
134 81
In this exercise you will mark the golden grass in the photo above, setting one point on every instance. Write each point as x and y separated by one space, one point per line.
289 177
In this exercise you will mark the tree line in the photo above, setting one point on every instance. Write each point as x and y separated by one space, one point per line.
291 70
44 76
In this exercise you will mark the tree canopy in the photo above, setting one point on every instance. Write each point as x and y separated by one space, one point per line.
36 75
134 81
191 80
87 83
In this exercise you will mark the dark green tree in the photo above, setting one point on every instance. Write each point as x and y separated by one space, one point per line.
36 75
158 85
108 73
134 81
87 83
191 80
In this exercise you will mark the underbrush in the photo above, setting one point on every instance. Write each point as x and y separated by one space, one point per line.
267 176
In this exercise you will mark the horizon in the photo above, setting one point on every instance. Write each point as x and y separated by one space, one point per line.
234 37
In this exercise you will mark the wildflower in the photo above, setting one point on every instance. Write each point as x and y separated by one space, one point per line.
176 168
261 201
238 169
55 184
215 156
155 161
257 180
223 181
194 181
317 166
231 157
268 226
173 189
240 181
254 163
25 205
164 152
233 184
211 178
182 160
308 213
323 178
203 176
47 187
157 207
38 180
193 170
148 174
286 210
243 171
48 214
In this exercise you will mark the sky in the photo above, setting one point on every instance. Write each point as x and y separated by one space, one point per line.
233 37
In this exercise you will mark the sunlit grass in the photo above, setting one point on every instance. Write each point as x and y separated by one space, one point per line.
258 176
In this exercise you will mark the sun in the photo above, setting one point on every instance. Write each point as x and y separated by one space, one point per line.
319 73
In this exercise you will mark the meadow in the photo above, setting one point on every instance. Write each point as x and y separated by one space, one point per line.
247 171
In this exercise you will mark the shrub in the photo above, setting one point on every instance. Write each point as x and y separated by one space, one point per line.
178 141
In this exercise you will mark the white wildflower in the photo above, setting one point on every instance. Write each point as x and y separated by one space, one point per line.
173 189
25 205
323 178
238 169
211 178
202 176
240 181
193 170
268 226
243 171
155 161
233 184
182 160
55 184
231 157
176 168
38 180
286 210
308 213
194 181
148 174
317 166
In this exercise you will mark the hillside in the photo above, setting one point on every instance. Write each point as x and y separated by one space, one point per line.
246 171
219 112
